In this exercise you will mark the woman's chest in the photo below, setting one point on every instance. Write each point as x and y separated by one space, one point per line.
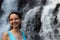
18 37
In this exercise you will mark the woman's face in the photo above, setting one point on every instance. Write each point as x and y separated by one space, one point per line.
14 20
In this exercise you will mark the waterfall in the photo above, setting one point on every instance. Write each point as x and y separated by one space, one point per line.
41 18
48 28
27 22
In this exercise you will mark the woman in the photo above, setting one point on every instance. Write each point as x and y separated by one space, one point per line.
14 33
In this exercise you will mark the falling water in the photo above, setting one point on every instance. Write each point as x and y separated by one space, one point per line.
28 20
47 20
40 22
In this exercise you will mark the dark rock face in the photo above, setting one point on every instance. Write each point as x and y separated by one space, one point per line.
1 1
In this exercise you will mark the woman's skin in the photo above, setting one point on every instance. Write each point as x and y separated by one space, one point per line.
14 22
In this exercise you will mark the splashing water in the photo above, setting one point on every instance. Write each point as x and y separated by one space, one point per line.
47 19
28 19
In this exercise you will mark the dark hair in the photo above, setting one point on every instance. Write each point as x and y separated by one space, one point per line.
19 15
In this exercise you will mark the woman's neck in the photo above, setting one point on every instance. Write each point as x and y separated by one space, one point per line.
15 30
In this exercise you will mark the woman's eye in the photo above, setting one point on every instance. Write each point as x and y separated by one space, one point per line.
14 19
11 19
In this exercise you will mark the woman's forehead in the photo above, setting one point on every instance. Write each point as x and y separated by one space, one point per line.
13 15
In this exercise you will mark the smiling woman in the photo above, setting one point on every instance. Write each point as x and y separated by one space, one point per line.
15 20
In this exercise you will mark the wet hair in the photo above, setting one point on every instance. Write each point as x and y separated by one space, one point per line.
19 15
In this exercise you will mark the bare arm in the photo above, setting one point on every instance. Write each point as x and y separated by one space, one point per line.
5 36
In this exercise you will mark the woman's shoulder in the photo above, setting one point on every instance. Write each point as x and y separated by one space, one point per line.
5 36
5 33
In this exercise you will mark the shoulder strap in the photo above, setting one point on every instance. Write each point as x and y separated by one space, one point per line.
23 34
11 36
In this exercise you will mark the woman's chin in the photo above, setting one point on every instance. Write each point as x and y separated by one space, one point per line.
15 26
